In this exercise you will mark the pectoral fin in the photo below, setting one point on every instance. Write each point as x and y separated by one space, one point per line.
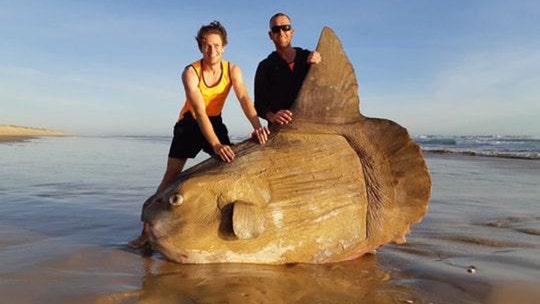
248 220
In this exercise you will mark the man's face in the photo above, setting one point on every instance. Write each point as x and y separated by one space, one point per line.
281 37
212 48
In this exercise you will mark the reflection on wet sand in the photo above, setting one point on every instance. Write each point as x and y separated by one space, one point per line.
362 280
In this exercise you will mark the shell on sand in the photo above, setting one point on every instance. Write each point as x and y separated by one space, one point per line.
330 186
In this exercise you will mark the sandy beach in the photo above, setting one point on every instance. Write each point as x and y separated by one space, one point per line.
65 222
16 133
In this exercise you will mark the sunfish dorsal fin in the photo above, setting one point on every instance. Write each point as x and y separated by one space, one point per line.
329 93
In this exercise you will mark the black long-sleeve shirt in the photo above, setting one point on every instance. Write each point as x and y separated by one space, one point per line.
276 86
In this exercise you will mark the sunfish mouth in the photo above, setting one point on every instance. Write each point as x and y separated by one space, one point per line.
159 244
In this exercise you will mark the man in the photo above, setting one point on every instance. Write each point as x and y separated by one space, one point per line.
279 77
207 83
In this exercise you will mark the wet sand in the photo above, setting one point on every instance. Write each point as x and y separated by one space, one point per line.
484 215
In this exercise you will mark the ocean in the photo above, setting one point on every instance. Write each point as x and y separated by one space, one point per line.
527 147
68 206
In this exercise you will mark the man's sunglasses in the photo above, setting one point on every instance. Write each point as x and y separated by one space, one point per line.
275 29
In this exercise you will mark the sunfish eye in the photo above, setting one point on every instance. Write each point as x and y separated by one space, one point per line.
176 200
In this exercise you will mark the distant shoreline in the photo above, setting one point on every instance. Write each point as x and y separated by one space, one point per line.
19 133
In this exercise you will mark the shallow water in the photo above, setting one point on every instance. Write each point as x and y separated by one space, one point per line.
68 206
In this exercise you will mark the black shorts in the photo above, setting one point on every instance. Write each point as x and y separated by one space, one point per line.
188 139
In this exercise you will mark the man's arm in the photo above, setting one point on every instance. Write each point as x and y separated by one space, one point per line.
262 91
247 105
195 98
262 102
285 116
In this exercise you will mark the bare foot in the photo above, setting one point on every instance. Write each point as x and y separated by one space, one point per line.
139 242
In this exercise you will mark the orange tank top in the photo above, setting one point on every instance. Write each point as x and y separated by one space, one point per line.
214 96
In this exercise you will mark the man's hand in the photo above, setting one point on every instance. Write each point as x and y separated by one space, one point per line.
261 134
225 152
281 117
314 57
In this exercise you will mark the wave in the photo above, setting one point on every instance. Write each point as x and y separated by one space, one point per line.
436 141
515 155
524 147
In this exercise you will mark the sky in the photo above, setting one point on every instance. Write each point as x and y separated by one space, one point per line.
455 67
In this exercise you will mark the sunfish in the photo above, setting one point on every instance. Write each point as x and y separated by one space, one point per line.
330 186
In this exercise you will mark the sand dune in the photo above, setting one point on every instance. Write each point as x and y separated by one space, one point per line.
11 132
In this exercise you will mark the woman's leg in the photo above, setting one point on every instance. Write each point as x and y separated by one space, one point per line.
174 168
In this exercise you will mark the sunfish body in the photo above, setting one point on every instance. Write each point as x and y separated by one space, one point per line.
328 187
